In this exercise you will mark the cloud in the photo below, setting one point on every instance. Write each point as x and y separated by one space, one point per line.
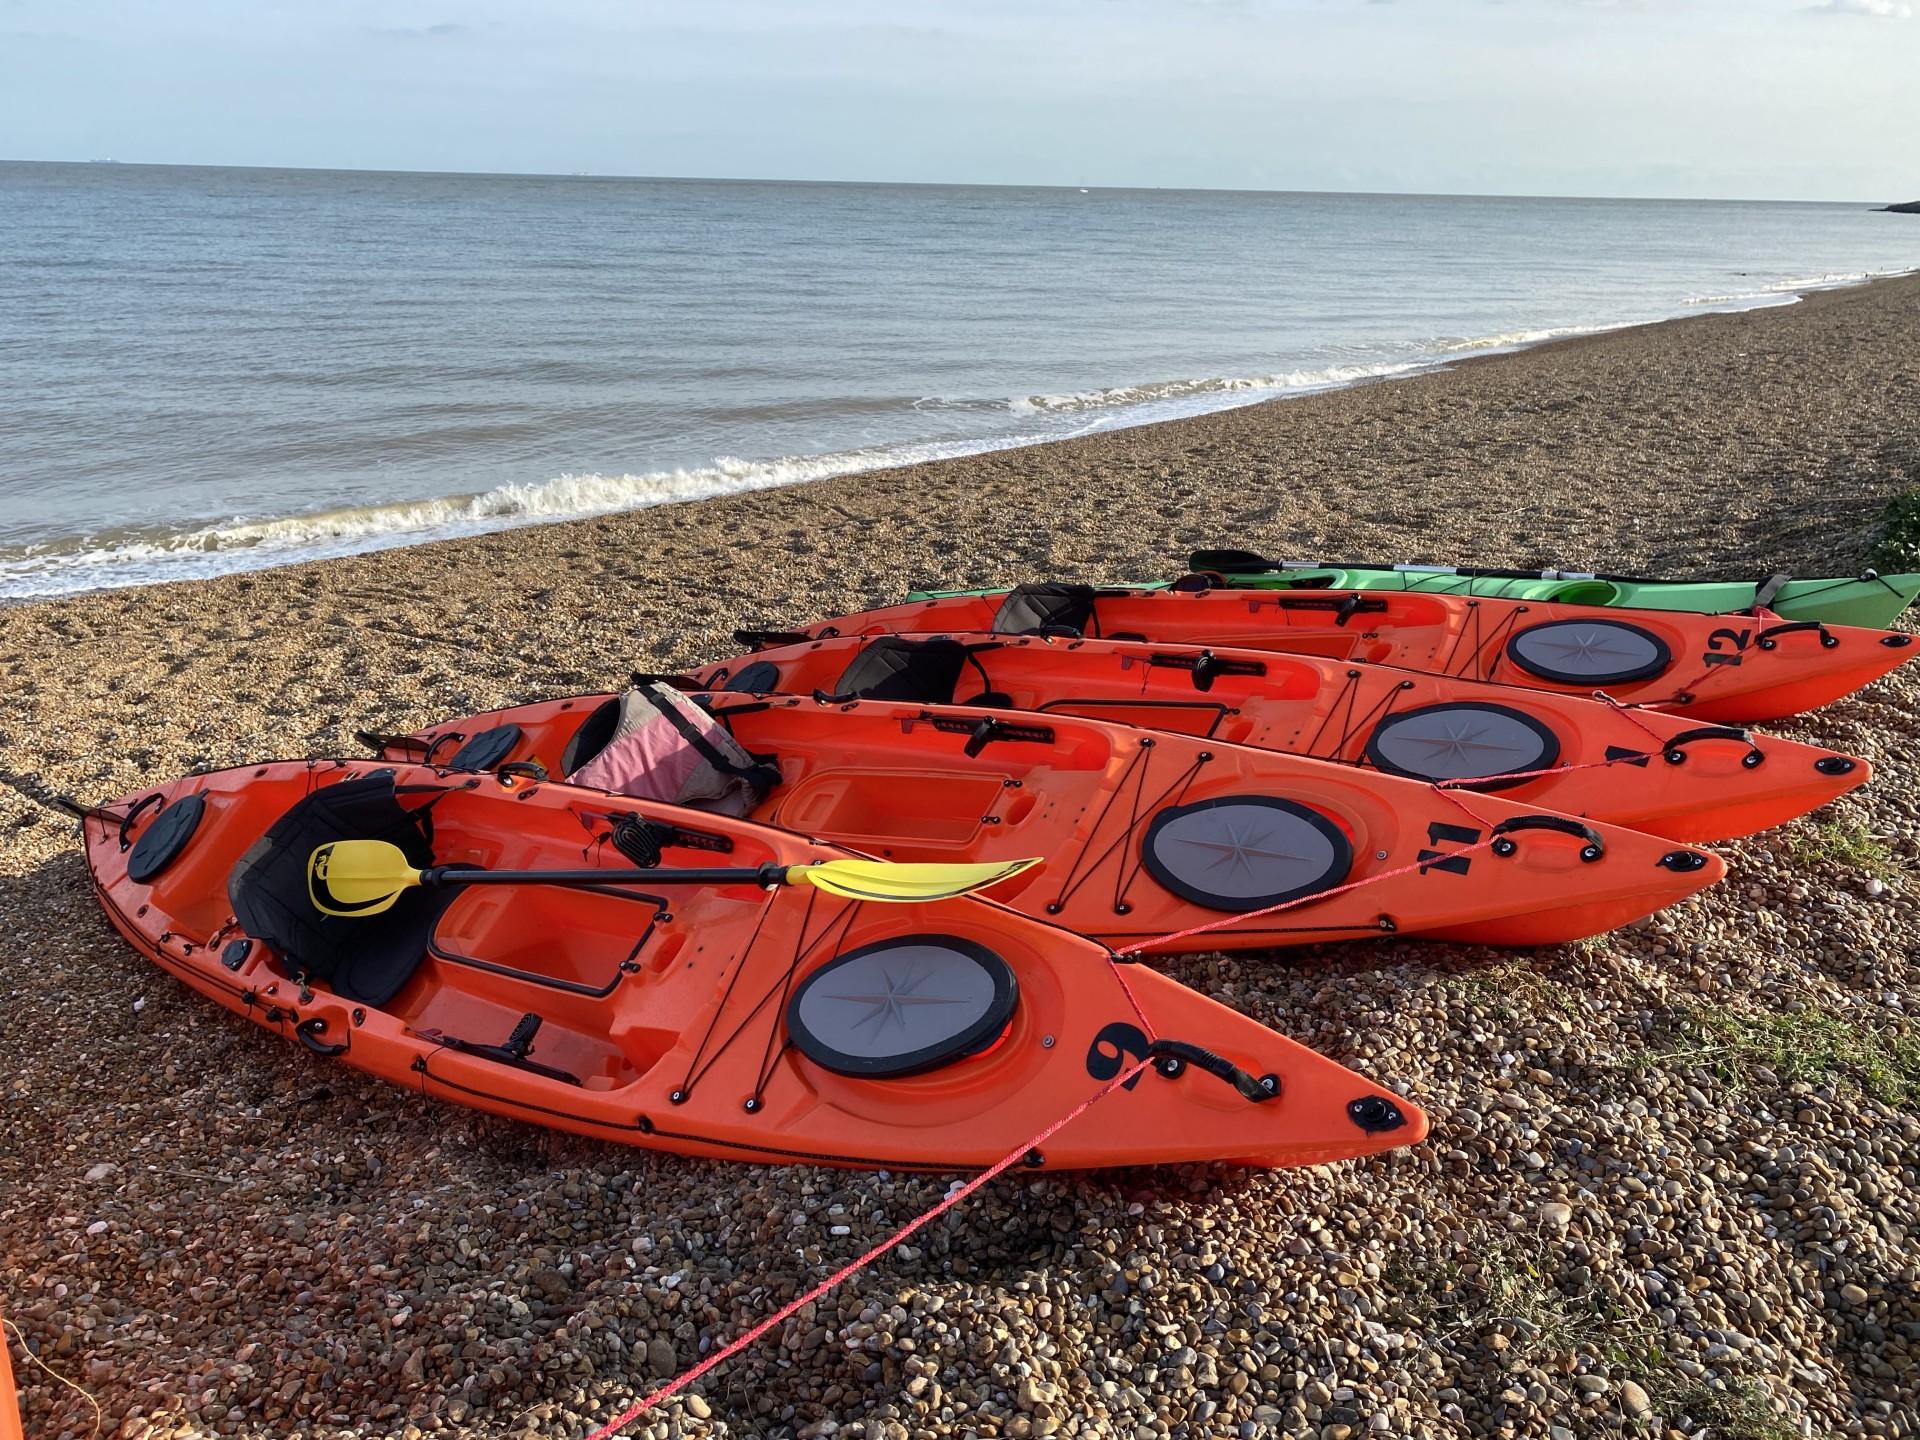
1884 9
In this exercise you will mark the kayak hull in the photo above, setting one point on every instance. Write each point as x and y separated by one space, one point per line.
1870 602
660 1022
1712 669
1136 855
1641 769
1864 603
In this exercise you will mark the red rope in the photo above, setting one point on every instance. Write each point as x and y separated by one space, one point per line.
1013 1157
787 1311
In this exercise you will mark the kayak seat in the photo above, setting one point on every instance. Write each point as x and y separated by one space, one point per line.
365 958
918 672
1028 608
593 736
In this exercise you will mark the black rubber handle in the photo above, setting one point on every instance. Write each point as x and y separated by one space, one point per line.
531 769
1675 748
1594 848
1057 632
308 1033
1770 637
139 808
1264 1088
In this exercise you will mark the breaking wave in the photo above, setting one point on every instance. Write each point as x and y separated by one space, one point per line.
147 555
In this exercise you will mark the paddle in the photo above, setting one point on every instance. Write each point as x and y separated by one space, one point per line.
365 877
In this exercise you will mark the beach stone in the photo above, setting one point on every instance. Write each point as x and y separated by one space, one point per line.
1634 1403
1556 1214
661 1358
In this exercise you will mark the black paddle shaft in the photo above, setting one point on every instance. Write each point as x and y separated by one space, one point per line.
768 874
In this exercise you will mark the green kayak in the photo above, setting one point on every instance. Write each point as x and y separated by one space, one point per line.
1872 600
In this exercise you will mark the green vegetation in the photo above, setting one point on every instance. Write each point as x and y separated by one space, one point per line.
1513 986
1740 1412
1845 842
1809 1045
1512 1286
1899 544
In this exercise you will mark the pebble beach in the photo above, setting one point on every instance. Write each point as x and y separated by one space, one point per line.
1673 1183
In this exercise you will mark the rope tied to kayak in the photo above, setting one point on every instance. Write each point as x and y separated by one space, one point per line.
853 1267
1017 1156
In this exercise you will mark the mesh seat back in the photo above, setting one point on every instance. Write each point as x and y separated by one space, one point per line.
1028 608
920 672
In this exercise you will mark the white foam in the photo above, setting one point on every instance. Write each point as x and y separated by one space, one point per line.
244 544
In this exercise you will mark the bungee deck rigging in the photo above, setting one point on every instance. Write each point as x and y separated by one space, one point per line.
1151 833
1650 771
720 1019
1715 669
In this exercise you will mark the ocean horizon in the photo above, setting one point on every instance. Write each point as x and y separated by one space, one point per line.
212 369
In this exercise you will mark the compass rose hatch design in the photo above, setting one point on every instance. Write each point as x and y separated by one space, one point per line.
1245 852
1589 652
1462 740
899 1007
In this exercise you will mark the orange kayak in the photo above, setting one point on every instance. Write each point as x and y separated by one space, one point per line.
1713 668
1150 834
9 1398
1642 769
731 1021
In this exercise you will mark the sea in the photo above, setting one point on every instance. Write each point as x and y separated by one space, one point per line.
207 370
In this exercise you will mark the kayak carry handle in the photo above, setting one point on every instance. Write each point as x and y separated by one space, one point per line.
309 1031
139 807
1769 637
1170 1057
1503 843
1675 747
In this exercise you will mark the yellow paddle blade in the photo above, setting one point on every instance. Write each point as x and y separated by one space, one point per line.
358 877
902 883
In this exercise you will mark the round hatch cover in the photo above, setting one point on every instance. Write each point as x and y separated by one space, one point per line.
487 749
1245 852
902 1006
163 840
1589 652
1462 740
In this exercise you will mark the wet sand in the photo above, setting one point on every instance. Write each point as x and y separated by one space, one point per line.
1721 1099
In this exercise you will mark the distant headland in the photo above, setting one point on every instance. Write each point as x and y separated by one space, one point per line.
1912 207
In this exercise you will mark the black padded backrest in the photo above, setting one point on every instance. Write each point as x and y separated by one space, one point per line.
1035 607
921 672
363 958
593 736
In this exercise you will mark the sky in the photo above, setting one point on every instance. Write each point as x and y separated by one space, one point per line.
1756 99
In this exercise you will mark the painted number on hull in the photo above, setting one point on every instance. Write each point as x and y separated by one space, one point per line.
1440 834
1736 641
1113 1049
